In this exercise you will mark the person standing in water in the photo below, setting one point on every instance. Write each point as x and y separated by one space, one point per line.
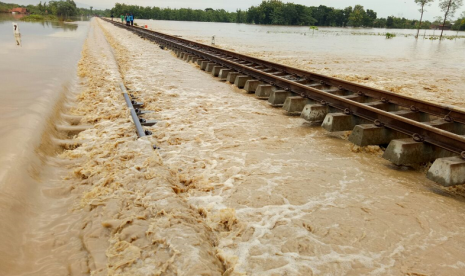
17 34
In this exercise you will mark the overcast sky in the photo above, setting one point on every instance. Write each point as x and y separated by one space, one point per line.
384 8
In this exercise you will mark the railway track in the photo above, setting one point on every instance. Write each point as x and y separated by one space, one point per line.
413 131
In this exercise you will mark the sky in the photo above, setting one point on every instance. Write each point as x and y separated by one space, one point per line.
384 8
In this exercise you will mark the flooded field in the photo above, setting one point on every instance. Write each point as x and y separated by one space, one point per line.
422 68
35 77
236 188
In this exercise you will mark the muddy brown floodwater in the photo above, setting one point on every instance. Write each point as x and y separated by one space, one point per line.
237 188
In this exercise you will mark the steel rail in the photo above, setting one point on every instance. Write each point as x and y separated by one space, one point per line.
449 113
140 130
420 131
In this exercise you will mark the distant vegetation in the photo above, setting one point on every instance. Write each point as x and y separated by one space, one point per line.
38 17
460 23
275 12
389 35
53 10
268 12
449 7
5 7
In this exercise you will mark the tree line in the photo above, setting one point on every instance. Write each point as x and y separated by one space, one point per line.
275 12
5 7
268 12
61 8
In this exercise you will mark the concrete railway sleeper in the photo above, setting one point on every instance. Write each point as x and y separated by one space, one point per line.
415 131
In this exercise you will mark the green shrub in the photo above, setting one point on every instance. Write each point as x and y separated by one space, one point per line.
389 35
38 17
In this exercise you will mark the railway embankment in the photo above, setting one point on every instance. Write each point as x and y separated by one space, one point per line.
256 192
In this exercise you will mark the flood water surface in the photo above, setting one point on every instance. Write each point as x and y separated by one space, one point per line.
422 68
35 77
235 188
280 196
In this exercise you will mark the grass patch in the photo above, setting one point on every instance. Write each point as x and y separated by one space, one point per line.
38 17
389 35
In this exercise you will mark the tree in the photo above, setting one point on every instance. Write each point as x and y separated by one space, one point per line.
339 18
63 8
321 15
356 18
390 22
459 24
449 7
369 18
422 4
347 12
380 23
253 15
305 15
240 16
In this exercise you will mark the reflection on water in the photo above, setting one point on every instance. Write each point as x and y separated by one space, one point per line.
10 16
33 78
18 39
46 25
59 24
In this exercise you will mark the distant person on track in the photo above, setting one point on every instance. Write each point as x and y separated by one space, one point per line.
128 20
112 17
122 18
132 19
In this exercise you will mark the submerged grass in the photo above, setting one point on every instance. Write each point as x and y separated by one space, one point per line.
38 17
386 34
389 35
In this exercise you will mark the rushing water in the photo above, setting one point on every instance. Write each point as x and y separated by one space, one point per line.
281 196
236 185
34 77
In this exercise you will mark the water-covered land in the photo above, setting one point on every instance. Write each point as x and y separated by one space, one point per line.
422 68
237 187
37 77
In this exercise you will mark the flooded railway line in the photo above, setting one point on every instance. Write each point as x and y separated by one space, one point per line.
413 131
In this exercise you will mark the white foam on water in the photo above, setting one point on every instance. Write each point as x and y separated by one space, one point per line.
270 195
